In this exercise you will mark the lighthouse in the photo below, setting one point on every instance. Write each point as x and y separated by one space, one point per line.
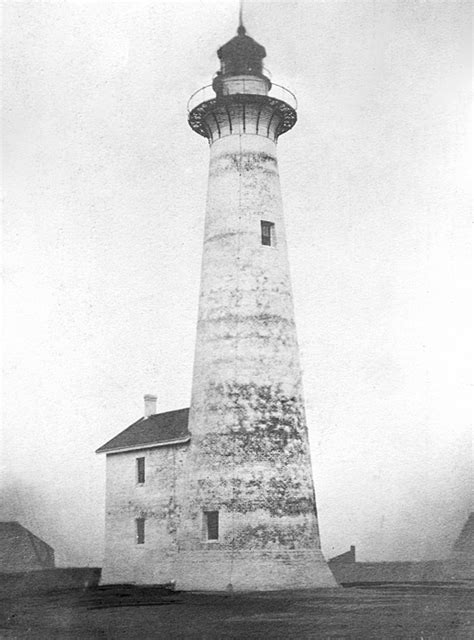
220 496
249 519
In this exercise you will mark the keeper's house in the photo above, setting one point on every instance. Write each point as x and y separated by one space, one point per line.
145 464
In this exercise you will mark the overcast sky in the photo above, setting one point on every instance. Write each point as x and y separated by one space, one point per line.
105 188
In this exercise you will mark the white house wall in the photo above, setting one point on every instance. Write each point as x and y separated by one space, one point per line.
156 501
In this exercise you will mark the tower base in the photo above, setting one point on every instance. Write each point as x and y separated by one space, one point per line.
224 570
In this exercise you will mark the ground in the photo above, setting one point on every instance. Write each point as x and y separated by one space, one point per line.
418 611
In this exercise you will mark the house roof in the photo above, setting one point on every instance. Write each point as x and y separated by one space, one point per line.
158 430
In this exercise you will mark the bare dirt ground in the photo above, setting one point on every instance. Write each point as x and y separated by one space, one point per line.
417 611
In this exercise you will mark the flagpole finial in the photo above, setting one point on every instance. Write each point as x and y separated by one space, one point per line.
241 29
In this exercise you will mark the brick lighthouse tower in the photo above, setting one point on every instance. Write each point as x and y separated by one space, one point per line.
248 516
220 496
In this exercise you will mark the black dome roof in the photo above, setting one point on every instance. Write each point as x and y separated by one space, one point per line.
242 45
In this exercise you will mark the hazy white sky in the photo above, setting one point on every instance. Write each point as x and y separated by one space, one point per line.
105 187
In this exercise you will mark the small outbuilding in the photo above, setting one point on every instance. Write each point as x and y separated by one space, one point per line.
463 548
21 550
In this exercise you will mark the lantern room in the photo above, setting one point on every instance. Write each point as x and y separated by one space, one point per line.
241 67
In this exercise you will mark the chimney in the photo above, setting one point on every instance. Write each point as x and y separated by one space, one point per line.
150 405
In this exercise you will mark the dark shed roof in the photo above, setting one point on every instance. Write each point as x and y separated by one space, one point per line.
15 529
465 542
21 550
157 430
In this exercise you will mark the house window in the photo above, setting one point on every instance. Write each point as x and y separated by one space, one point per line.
268 233
140 530
140 470
211 525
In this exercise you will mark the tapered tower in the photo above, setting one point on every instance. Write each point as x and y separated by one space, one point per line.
248 515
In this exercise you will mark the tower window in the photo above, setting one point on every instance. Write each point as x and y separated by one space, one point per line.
268 233
141 470
211 523
140 530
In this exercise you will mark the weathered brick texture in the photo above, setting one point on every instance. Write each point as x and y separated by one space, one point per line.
249 454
